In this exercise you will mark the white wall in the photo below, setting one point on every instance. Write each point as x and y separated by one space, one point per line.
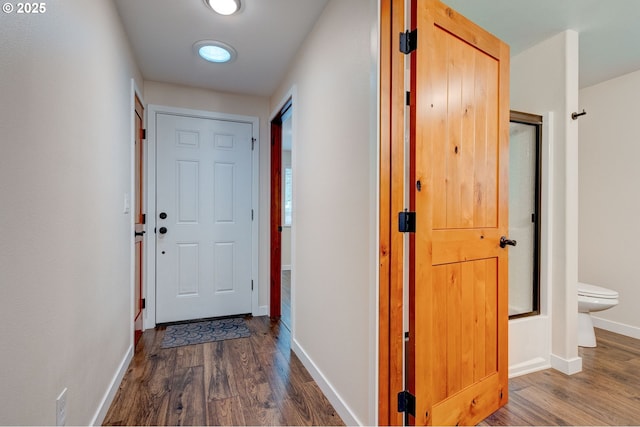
334 223
544 79
172 95
609 197
65 246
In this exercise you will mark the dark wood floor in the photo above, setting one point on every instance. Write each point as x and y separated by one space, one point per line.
606 392
246 381
258 381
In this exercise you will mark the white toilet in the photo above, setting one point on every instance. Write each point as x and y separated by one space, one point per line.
592 298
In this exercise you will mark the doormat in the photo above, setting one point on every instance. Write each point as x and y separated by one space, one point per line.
202 332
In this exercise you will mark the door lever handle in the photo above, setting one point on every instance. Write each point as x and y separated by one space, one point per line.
139 233
504 242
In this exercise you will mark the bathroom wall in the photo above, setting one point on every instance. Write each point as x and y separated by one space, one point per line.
544 81
609 232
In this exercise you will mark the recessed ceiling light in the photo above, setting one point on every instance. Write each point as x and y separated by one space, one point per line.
215 51
224 7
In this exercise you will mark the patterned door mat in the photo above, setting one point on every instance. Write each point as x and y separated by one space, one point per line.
206 331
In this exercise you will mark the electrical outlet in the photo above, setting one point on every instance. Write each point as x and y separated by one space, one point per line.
61 408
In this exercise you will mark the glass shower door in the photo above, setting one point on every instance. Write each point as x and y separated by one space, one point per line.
524 207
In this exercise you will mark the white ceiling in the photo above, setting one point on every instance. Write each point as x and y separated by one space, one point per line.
609 29
268 33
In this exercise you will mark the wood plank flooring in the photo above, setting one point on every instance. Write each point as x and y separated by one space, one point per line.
246 381
606 392
259 381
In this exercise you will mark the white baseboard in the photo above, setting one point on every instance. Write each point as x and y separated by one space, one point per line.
533 365
263 310
618 328
566 366
347 415
108 397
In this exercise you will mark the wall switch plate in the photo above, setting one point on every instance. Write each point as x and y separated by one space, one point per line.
127 204
61 408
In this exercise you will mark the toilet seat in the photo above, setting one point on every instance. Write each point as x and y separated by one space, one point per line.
586 290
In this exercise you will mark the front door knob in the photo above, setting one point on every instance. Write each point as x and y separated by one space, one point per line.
163 230
504 242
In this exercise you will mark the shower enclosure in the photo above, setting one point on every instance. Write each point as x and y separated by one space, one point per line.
525 135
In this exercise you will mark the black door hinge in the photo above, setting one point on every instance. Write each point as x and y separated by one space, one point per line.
407 222
407 403
143 303
143 134
408 99
408 41
144 218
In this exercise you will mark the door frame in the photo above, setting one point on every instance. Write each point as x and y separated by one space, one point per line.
138 218
391 271
275 221
275 218
289 98
151 112
135 92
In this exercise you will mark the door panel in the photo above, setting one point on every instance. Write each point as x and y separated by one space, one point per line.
464 334
204 188
458 291
464 181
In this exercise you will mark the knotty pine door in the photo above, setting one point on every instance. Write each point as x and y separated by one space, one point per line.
458 291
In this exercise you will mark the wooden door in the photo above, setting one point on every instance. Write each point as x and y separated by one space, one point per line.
204 224
458 296
138 219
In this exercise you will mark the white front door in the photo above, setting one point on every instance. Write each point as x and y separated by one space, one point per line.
203 208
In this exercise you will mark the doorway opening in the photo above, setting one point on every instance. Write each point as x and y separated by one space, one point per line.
281 214
214 132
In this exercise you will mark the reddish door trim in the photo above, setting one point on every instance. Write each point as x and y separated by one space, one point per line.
276 216
138 217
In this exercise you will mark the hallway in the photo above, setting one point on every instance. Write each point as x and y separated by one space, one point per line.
246 381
